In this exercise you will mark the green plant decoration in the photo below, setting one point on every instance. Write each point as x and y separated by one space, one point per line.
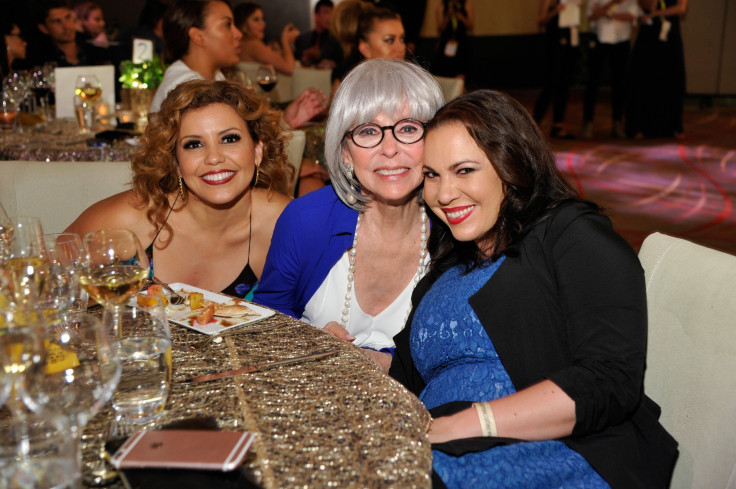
144 76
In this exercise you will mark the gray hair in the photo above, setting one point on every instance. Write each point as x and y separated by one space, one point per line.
373 87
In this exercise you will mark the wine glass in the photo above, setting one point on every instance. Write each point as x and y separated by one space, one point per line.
9 110
115 266
81 372
267 78
6 234
65 252
25 268
41 82
87 90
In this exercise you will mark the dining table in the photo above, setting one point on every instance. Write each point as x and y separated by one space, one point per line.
334 422
61 140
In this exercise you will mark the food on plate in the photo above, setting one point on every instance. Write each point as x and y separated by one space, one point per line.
145 300
207 315
158 291
234 311
196 300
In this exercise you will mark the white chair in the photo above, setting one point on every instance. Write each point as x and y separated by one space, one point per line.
451 87
691 360
304 78
58 191
280 93
296 142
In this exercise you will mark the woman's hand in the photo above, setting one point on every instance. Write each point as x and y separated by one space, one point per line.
308 104
289 34
334 328
382 359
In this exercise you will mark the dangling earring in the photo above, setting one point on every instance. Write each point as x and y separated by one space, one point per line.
351 198
258 174
181 187
349 171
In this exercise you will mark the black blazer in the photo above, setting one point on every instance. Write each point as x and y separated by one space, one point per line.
570 306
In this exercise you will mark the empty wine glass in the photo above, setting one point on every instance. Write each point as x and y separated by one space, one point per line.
87 90
81 372
65 249
267 78
6 234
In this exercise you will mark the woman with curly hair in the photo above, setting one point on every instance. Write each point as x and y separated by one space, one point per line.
205 188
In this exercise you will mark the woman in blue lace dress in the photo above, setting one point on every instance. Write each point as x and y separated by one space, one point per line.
528 339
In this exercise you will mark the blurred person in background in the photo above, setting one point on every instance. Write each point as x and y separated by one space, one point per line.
57 42
92 21
319 47
12 46
455 21
366 32
251 22
150 26
612 21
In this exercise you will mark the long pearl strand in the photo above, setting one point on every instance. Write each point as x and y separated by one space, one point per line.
421 268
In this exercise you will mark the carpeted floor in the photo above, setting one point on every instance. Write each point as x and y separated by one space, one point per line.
681 187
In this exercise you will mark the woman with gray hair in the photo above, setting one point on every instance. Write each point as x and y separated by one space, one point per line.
346 257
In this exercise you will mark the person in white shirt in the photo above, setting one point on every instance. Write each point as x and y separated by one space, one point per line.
612 22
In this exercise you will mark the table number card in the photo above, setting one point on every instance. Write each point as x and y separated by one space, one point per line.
142 50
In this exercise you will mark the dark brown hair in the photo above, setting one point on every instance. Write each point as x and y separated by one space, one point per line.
523 160
155 175
181 16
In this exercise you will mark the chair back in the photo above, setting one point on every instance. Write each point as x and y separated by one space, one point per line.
296 142
691 359
451 87
58 191
304 78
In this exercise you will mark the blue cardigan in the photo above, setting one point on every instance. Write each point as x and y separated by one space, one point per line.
311 235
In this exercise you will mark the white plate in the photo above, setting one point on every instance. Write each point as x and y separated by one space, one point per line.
184 316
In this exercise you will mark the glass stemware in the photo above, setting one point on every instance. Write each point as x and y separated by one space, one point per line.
267 78
6 234
81 372
87 90
65 253
115 266
25 268
41 83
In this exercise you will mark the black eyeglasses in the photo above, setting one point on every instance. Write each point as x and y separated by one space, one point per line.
370 135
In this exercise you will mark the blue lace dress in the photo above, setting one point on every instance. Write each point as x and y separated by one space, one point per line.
458 362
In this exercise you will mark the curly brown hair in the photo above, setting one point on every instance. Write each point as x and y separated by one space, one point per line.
155 174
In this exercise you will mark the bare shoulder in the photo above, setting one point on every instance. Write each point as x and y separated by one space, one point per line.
269 204
117 211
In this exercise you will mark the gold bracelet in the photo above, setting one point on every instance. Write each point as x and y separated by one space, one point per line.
487 420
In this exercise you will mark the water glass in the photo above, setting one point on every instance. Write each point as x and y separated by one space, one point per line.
38 453
144 350
9 112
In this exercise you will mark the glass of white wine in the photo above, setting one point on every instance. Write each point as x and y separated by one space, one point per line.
115 266
87 90
25 268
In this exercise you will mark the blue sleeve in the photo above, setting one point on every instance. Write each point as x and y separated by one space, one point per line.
279 282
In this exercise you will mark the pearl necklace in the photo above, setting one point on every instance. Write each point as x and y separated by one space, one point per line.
421 268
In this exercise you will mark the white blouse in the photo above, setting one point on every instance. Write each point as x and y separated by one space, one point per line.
370 331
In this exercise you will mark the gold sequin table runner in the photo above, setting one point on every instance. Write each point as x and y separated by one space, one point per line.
336 422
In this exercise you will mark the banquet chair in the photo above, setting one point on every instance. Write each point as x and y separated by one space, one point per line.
304 78
691 359
297 141
58 191
451 87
